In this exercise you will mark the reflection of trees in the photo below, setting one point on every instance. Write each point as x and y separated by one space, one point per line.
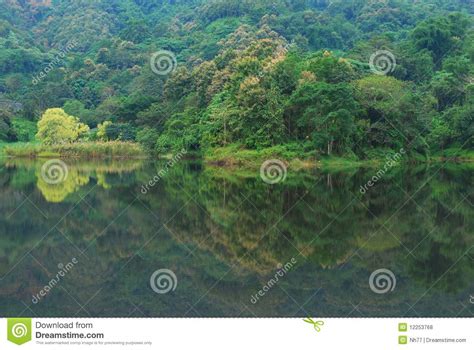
58 192
79 174
236 221
111 166
445 230
242 219
327 227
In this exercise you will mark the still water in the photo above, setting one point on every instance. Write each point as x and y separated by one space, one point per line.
205 241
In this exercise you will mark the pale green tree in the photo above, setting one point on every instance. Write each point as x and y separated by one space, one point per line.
56 127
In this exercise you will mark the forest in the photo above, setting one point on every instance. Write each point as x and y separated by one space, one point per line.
132 132
356 79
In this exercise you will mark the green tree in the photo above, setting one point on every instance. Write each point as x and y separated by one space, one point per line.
259 114
56 127
324 113
440 35
102 130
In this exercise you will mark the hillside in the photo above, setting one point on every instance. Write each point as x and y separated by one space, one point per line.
306 78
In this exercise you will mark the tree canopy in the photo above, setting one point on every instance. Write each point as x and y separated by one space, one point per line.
252 73
57 127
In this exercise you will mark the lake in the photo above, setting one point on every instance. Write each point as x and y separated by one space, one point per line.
204 241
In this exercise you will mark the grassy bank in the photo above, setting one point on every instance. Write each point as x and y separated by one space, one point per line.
5 145
83 150
239 157
232 156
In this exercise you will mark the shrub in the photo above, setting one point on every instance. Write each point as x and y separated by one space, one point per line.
24 130
102 131
147 137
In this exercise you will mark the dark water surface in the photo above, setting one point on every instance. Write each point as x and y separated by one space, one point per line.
309 244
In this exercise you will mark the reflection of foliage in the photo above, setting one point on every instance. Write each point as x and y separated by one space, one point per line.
102 181
234 219
107 166
79 174
58 192
236 232
242 224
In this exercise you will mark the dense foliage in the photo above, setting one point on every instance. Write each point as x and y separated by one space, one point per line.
251 73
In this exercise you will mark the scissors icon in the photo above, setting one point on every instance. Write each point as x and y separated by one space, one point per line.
316 324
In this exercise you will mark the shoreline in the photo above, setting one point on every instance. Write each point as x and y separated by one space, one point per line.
224 158
84 150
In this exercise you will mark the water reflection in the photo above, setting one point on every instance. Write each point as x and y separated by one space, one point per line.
225 235
75 175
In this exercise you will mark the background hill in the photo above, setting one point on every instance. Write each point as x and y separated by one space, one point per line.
294 74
